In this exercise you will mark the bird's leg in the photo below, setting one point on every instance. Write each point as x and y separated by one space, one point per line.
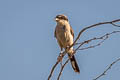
60 56
61 52
70 51
67 47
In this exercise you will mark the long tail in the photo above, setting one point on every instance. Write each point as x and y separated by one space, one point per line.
74 64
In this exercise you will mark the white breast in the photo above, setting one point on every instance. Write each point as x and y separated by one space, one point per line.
64 35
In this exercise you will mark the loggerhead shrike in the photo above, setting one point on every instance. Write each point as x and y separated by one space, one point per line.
64 35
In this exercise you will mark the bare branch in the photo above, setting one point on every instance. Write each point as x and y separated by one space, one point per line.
62 69
52 70
78 37
55 65
94 25
115 25
103 38
107 69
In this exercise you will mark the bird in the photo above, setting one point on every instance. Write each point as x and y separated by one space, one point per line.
65 36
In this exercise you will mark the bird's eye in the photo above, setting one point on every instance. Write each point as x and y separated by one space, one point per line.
59 17
62 17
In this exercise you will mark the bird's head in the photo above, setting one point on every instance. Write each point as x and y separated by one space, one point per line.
61 19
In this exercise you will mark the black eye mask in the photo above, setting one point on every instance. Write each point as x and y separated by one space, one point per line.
61 17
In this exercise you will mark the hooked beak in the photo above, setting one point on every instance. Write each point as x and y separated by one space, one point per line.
56 19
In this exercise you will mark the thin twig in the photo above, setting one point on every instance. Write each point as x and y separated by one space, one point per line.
94 25
103 38
78 37
54 66
52 70
107 69
62 69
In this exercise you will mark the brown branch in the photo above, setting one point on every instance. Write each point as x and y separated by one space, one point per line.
115 25
53 68
103 38
94 25
62 69
55 65
107 69
94 45
78 37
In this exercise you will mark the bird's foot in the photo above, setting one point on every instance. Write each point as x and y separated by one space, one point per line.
60 57
67 47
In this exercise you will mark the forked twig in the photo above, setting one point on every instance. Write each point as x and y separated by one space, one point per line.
78 37
103 38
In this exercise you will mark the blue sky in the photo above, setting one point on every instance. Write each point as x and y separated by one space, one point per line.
28 48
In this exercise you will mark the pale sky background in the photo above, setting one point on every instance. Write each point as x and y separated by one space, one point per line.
28 48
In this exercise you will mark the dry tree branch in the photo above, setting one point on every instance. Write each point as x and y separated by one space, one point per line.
94 25
78 37
103 38
62 69
53 70
54 66
105 71
115 25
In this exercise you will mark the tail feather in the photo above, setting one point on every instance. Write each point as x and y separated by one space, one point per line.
74 64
